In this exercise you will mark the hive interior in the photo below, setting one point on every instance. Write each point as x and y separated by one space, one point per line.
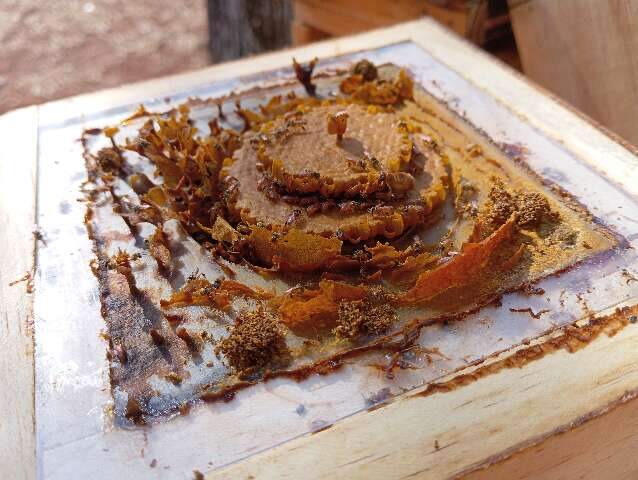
297 231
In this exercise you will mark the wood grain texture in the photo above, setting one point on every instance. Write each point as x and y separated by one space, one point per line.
18 135
446 434
582 453
589 60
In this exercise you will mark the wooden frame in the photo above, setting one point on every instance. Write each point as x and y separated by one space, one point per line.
426 433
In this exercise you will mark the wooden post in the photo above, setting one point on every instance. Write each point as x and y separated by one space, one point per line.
244 27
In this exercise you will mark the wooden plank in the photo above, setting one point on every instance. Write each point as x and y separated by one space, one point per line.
303 34
377 13
18 136
444 434
335 21
582 453
594 68
349 16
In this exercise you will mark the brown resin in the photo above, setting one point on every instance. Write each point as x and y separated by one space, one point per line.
530 311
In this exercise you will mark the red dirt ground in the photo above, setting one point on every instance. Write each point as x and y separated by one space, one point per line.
53 49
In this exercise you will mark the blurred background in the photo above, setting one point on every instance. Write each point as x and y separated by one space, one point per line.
585 51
